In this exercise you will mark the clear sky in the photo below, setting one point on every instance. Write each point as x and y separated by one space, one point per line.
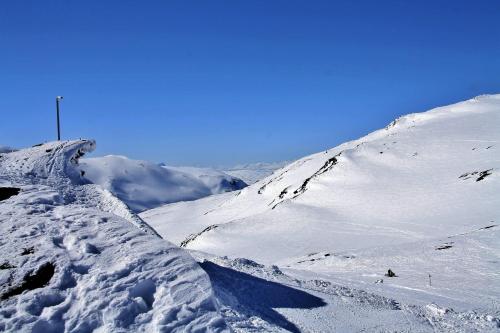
227 82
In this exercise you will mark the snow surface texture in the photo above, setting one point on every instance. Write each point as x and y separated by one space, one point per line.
259 298
253 172
74 258
419 197
143 185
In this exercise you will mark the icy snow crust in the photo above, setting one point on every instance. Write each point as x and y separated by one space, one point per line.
420 197
74 258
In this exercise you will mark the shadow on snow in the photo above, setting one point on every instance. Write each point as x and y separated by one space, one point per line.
258 297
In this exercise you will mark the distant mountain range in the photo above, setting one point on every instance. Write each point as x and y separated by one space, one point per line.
6 149
253 172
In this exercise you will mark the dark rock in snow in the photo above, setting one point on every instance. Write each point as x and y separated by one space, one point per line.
32 281
390 273
28 250
7 192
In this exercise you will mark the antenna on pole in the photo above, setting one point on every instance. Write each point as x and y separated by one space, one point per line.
58 98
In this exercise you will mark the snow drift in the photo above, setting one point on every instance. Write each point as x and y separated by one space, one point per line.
74 258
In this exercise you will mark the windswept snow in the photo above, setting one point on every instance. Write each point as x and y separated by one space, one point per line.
75 259
144 185
419 197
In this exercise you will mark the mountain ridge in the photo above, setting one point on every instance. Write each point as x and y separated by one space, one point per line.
416 196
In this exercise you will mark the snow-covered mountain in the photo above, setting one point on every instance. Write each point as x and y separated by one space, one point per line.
74 258
420 197
253 172
307 249
6 149
144 185
217 181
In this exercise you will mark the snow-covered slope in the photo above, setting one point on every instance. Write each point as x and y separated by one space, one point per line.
73 257
143 185
420 196
253 172
425 175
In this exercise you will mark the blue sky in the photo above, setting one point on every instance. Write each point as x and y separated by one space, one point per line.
227 82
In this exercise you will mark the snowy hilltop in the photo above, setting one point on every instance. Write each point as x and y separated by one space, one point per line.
74 258
419 198
144 185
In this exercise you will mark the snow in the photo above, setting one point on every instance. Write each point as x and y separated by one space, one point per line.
217 181
259 298
74 258
144 185
419 197
305 249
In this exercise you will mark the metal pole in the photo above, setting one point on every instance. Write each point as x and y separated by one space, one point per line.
58 98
